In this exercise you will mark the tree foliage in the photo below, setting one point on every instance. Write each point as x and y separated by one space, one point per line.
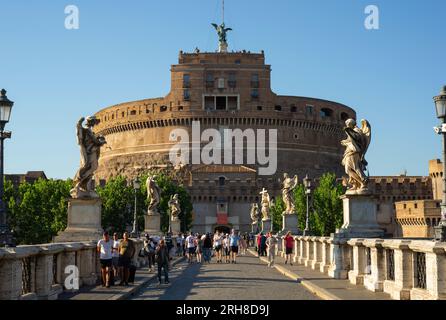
38 211
327 206
276 211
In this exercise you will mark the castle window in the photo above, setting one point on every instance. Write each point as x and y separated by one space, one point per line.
220 103
163 108
255 93
133 113
209 80
255 80
232 103
309 110
259 108
186 81
344 116
278 108
221 181
113 116
123 114
186 95
232 82
238 61
293 108
326 113
416 205
180 108
296 136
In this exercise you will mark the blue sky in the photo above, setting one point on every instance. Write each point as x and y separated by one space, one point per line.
124 49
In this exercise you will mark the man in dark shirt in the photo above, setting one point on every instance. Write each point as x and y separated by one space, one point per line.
162 259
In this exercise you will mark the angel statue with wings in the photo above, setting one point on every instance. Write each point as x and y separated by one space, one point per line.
266 204
90 144
153 195
222 31
255 213
174 206
287 193
356 145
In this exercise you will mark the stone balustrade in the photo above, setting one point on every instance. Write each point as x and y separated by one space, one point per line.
38 272
405 269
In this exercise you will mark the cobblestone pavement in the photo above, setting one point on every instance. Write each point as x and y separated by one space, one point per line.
249 279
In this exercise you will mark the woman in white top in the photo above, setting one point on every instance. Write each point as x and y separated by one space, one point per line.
218 245
226 248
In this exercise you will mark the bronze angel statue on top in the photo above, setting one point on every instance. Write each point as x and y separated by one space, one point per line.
221 31
356 146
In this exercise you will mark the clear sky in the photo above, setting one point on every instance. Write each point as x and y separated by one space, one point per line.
123 51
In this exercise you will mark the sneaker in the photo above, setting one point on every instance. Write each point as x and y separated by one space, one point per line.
286 261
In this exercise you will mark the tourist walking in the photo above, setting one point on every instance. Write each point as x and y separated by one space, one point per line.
180 245
243 245
126 252
162 259
115 255
207 248
234 242
271 244
289 244
191 247
218 246
149 248
104 248
198 247
226 248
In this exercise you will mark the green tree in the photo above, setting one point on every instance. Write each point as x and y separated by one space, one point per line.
117 204
37 211
327 213
300 201
276 213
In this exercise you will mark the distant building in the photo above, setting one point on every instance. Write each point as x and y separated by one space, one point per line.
417 219
30 177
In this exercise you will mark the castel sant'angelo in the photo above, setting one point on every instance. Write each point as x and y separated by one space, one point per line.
224 90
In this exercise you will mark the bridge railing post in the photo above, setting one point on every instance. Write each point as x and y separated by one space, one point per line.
296 249
339 258
309 251
302 251
374 278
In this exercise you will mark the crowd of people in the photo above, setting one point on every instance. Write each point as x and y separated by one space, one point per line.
224 247
116 254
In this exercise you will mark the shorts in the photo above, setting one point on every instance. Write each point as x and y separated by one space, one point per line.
191 250
227 251
115 262
289 250
124 262
234 249
106 263
218 248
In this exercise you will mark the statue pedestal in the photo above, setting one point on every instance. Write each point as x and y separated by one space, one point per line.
175 227
84 221
359 218
290 223
255 228
223 47
266 226
152 223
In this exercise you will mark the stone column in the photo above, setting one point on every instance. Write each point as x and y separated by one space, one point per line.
296 249
317 248
10 279
356 275
302 251
309 251
375 280
87 267
404 271
325 256
339 258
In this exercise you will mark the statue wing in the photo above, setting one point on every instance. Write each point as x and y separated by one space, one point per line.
367 135
228 29
215 26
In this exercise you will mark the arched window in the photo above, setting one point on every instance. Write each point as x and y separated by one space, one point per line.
221 181
163 108
326 113
344 116
293 108
278 108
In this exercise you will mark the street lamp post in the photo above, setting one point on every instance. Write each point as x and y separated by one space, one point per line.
6 238
307 185
136 187
440 107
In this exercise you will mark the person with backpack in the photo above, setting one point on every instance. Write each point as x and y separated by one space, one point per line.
162 259
207 247
190 243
